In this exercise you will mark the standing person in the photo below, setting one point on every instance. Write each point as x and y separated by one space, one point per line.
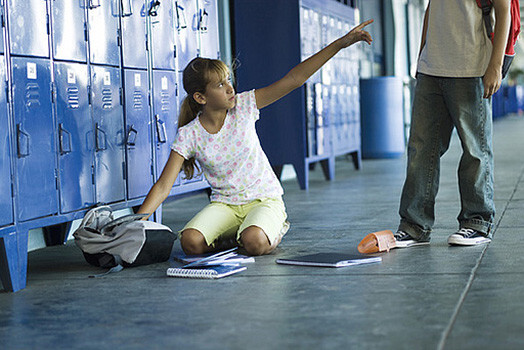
217 128
459 69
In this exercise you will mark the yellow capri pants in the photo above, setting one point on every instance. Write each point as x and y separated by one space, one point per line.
220 221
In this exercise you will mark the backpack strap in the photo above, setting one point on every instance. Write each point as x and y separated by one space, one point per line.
119 267
486 6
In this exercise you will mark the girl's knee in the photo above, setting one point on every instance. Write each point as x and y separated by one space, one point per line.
193 242
255 241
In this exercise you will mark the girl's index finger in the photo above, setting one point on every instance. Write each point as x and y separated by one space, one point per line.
363 24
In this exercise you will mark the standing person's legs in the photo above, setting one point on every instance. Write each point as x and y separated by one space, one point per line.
430 134
472 116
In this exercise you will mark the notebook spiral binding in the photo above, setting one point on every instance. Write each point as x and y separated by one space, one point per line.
191 273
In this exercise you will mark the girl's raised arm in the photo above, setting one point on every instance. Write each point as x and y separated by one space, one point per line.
300 73
158 193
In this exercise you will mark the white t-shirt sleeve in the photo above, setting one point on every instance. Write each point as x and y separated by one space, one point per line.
247 105
184 143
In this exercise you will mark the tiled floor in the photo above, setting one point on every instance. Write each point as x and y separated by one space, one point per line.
435 297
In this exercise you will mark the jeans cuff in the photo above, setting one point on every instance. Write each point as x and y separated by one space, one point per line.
483 227
414 231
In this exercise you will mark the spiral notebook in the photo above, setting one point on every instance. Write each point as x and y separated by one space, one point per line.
211 272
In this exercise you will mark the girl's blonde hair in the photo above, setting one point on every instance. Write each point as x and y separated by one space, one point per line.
197 75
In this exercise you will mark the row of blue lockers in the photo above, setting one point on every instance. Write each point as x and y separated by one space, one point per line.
114 32
90 99
332 118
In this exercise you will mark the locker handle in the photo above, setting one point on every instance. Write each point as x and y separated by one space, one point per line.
65 139
203 20
160 130
94 4
131 136
127 8
101 143
181 22
153 10
22 142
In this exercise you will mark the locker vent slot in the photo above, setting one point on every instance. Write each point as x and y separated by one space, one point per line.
107 99
137 100
73 97
32 95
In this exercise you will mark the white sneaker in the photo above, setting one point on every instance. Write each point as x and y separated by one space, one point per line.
467 236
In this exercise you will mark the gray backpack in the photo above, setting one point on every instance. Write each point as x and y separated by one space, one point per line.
126 241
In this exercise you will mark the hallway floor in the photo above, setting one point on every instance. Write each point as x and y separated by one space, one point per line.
433 297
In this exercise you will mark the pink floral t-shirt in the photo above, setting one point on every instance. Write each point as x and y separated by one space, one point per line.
232 160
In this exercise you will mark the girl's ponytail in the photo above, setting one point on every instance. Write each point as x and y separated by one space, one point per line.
188 111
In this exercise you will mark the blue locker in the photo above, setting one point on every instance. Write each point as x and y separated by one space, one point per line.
75 137
28 27
6 200
34 138
134 48
107 112
163 35
138 136
103 19
208 28
186 24
165 117
69 37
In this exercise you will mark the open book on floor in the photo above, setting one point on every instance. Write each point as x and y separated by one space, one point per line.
230 258
211 272
330 259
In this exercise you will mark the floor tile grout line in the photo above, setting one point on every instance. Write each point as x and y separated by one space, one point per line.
473 273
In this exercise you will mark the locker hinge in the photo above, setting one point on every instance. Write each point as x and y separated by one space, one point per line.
147 44
124 170
12 188
85 31
174 51
120 92
53 92
56 180
152 170
92 174
89 94
7 98
149 99
119 37
3 20
48 25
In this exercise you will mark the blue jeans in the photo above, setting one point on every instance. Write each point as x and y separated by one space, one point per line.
441 104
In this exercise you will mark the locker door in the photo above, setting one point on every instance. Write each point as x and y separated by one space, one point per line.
208 29
138 139
75 137
103 17
34 138
6 199
69 30
28 27
186 23
165 120
163 35
107 112
134 50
